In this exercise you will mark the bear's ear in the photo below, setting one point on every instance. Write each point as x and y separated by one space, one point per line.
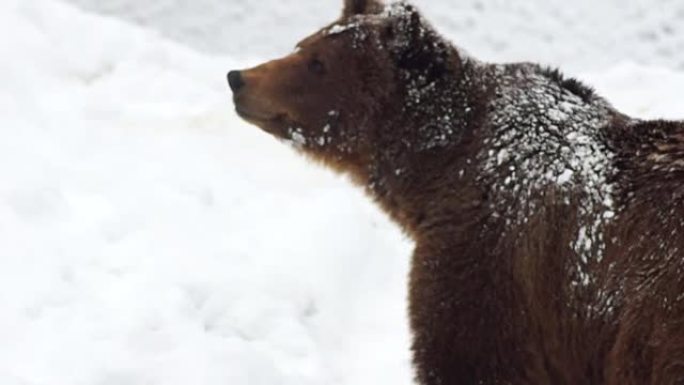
361 7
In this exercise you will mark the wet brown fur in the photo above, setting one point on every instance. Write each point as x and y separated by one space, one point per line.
490 302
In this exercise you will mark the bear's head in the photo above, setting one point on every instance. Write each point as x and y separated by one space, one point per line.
342 85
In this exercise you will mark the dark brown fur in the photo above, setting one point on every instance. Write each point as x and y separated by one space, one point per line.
529 268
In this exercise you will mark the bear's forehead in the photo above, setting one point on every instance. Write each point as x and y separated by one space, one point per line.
391 11
358 30
401 16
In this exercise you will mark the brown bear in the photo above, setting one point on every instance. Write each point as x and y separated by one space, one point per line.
549 227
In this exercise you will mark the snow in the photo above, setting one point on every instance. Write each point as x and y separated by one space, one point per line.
584 34
551 132
340 28
148 236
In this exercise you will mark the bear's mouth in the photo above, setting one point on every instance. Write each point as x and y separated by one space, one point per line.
256 116
271 123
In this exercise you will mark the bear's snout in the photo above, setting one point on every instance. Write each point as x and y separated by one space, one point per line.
255 100
235 80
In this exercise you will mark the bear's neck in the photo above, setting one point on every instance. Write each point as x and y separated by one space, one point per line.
423 164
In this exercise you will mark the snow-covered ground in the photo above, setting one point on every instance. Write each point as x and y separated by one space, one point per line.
149 237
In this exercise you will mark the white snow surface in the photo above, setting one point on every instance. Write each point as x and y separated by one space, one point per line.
576 34
149 237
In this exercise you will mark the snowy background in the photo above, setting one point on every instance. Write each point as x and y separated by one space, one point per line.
149 237
579 34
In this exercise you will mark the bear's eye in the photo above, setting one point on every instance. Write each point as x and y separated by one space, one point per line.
316 66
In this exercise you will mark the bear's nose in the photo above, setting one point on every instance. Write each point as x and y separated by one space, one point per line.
235 80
